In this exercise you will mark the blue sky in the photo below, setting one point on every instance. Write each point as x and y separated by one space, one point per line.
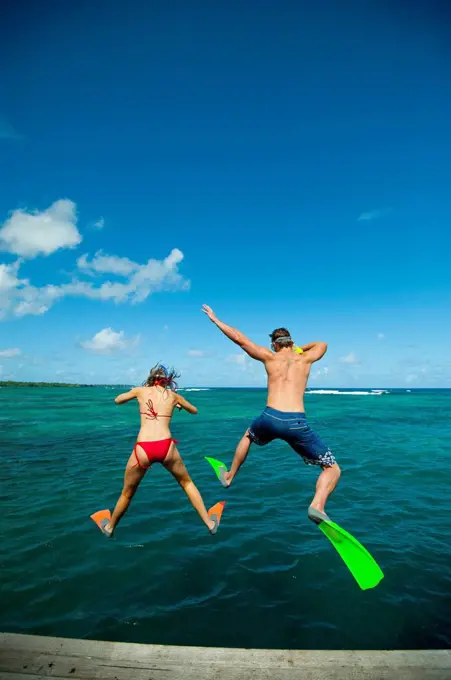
286 163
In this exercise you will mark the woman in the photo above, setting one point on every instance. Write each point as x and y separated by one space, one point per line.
157 399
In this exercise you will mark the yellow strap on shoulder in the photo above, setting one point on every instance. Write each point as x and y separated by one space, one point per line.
299 350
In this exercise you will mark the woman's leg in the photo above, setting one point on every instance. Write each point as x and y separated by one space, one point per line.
174 463
132 478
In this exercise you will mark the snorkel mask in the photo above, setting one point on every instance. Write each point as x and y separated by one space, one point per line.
284 341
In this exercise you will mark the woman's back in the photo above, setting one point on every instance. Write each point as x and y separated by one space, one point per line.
156 406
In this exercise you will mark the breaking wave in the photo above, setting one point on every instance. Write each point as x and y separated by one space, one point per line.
357 393
194 389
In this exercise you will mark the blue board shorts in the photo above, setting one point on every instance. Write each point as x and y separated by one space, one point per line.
293 429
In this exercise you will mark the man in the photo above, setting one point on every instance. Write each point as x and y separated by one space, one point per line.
284 416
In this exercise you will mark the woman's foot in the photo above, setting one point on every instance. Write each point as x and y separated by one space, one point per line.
213 525
103 520
214 517
106 528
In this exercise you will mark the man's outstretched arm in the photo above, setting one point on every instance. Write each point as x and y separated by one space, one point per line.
254 351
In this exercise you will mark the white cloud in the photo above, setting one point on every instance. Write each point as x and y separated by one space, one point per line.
107 264
319 372
238 359
10 284
28 299
143 280
21 298
33 307
11 352
195 353
99 224
42 233
373 214
350 358
380 336
106 341
8 277
411 378
29 234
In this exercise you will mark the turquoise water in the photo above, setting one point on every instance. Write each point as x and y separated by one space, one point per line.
269 578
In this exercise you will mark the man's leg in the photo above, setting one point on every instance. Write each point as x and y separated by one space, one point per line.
315 452
240 456
327 481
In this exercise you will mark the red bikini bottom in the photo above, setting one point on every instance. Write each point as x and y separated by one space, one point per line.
156 452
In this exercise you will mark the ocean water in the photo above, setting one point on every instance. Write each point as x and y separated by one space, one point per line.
269 578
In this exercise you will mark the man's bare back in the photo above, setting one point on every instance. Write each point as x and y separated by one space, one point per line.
288 374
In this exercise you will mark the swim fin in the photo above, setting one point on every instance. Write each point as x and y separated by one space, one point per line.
101 518
215 513
219 468
360 563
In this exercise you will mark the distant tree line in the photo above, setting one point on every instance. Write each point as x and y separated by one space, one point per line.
14 383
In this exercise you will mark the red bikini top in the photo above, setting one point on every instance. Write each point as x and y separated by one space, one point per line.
161 382
151 413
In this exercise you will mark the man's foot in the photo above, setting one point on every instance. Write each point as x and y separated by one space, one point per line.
225 478
317 516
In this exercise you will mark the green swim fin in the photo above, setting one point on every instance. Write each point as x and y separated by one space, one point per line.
360 563
217 466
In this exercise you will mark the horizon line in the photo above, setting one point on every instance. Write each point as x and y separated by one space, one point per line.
5 383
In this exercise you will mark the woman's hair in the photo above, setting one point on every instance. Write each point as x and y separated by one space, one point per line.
162 377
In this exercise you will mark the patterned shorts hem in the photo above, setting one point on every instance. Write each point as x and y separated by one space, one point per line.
324 460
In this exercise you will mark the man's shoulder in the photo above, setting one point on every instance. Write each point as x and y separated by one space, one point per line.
269 358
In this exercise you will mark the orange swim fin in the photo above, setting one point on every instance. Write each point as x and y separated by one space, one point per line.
100 517
215 513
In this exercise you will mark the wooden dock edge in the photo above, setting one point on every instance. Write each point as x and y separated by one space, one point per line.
25 657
